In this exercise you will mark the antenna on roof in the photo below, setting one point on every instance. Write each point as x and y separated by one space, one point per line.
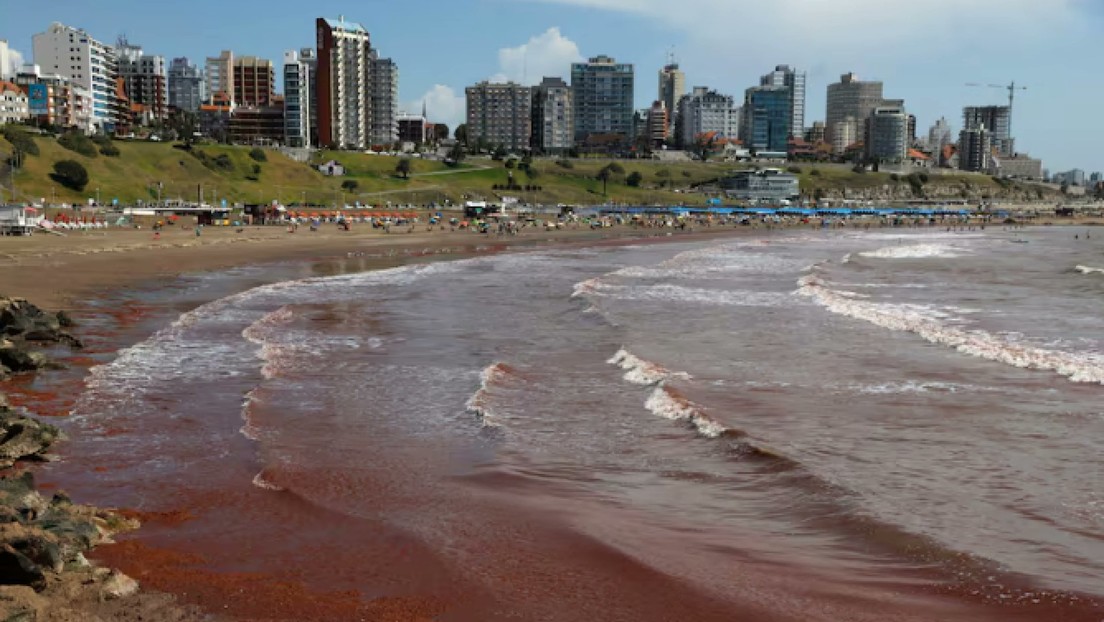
671 59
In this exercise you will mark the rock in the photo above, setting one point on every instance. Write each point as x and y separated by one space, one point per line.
17 569
19 603
19 359
22 320
64 320
118 585
22 437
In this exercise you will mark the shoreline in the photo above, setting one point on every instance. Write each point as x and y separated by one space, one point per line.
324 249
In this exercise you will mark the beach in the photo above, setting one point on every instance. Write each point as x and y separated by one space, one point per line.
407 426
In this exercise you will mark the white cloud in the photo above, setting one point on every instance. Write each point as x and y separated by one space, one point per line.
443 104
15 63
547 54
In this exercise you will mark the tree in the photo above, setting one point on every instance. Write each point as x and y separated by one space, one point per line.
70 174
604 176
440 132
461 133
349 185
703 145
404 167
499 153
258 154
634 179
185 124
455 155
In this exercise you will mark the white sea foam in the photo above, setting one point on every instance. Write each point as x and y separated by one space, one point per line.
478 403
915 251
642 372
669 405
693 295
934 327
1089 270
260 482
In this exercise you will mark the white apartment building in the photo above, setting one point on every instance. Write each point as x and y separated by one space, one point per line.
13 104
844 134
705 111
6 71
72 53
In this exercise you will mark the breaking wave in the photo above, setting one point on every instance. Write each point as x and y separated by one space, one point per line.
261 482
479 403
1077 366
914 251
670 404
678 293
642 372
1089 270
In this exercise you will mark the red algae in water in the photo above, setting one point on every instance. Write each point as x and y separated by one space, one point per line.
254 595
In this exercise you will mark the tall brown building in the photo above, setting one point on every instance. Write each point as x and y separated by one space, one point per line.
254 81
357 90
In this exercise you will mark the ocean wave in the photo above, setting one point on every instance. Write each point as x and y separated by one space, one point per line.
479 403
249 430
915 251
667 403
1089 270
694 295
1077 366
642 372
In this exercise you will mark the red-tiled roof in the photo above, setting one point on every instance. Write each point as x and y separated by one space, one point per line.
916 154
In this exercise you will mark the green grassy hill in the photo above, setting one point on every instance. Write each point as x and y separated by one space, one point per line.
228 172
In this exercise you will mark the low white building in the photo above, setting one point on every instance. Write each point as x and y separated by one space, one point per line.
772 185
332 168
13 104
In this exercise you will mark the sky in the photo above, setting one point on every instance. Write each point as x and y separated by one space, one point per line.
925 51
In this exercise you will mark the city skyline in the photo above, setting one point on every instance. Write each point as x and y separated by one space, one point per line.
924 59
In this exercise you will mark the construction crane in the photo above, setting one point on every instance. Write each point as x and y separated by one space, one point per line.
1011 88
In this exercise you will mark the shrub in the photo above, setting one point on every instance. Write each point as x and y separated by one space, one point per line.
568 164
78 143
109 150
255 175
70 174
815 172
21 140
532 173
349 185
511 163
923 178
686 173
894 177
858 168
223 161
663 173
258 154
634 179
796 170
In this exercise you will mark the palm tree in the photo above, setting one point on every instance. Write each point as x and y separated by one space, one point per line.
604 175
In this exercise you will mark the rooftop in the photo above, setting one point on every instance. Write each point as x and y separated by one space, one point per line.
341 24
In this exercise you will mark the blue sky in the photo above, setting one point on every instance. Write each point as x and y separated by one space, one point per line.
925 51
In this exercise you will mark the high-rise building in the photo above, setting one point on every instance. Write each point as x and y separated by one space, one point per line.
705 111
853 98
887 134
145 81
6 69
940 135
816 133
784 75
844 134
187 88
308 59
657 125
553 116
87 63
672 86
357 101
254 81
603 93
219 71
500 115
996 119
975 152
383 93
766 118
298 83
414 128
